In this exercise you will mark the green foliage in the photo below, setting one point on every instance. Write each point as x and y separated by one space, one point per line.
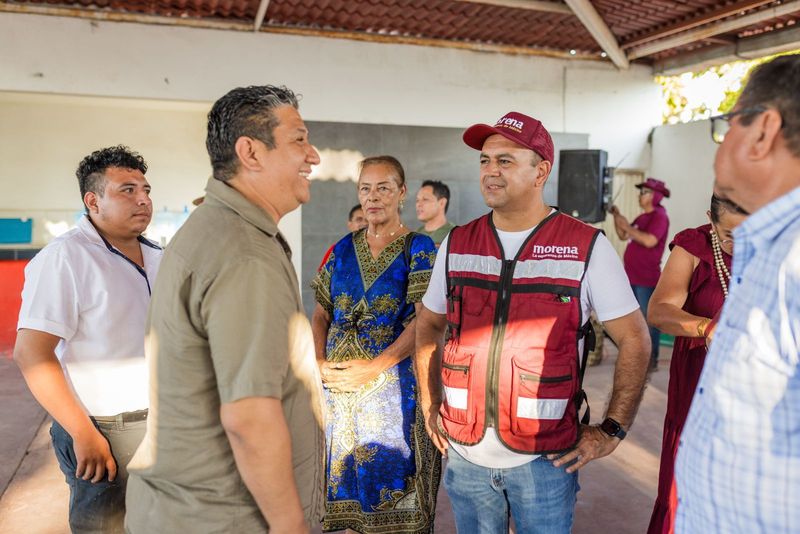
698 95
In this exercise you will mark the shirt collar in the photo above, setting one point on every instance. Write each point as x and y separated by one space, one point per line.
220 194
88 229
765 224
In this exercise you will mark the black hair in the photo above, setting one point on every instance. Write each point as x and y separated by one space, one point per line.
353 210
440 191
243 112
719 204
776 83
91 169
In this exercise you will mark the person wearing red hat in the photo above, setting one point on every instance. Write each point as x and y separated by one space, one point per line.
515 289
648 237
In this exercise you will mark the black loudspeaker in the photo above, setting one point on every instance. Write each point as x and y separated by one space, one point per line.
584 184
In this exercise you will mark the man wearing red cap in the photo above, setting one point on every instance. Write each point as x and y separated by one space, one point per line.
648 236
515 289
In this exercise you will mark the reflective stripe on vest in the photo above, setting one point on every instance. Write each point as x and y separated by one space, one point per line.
474 263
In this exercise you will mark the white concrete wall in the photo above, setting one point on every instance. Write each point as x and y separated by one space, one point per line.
683 156
151 85
341 80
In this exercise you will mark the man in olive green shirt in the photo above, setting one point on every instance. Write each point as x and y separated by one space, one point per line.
433 199
234 441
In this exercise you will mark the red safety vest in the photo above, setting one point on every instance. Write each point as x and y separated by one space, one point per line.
511 359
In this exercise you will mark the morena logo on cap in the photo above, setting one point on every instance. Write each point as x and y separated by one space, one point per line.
521 129
512 123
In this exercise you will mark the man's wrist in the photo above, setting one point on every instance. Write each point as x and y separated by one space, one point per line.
613 428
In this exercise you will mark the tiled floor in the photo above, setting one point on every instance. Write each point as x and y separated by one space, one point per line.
616 494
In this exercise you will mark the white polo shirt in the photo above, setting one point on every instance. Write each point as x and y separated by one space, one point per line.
89 294
605 290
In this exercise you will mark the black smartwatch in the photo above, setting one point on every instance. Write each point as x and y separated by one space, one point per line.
613 428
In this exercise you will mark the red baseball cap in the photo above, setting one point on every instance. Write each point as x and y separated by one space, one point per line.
517 127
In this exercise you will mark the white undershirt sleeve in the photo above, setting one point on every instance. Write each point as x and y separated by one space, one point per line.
608 289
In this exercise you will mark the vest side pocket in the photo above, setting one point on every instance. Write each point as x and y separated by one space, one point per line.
456 381
539 400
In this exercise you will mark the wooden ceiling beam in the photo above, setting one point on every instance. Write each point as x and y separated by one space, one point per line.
704 32
707 18
260 14
598 28
532 5
749 48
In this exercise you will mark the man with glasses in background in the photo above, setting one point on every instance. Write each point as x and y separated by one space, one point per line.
738 465
648 237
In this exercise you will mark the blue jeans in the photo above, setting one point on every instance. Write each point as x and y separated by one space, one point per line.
643 295
541 498
100 506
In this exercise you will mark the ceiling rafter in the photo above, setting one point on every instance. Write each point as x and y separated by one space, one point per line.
705 18
532 5
260 14
597 27
750 48
712 30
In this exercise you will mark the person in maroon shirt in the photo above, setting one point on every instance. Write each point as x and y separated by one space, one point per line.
686 301
648 237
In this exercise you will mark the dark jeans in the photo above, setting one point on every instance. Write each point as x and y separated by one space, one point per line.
98 507
643 295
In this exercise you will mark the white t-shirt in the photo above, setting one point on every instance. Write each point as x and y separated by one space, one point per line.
605 290
96 301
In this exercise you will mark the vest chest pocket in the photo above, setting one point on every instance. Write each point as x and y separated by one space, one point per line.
542 320
540 397
456 378
474 299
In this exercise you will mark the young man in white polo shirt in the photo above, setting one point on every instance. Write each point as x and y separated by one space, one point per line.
80 339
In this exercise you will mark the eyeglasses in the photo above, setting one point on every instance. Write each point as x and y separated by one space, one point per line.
720 124
643 192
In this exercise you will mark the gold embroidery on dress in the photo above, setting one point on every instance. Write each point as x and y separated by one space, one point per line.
382 335
343 302
372 268
428 256
321 284
386 305
399 519
417 285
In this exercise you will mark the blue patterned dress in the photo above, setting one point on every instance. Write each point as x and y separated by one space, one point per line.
382 469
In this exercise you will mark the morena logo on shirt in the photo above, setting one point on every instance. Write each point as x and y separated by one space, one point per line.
558 251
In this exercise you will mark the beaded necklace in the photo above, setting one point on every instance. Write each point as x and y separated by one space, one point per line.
391 234
719 263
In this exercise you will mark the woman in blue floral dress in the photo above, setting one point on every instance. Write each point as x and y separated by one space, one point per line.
382 470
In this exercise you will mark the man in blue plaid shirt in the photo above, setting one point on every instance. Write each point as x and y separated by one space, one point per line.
738 466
